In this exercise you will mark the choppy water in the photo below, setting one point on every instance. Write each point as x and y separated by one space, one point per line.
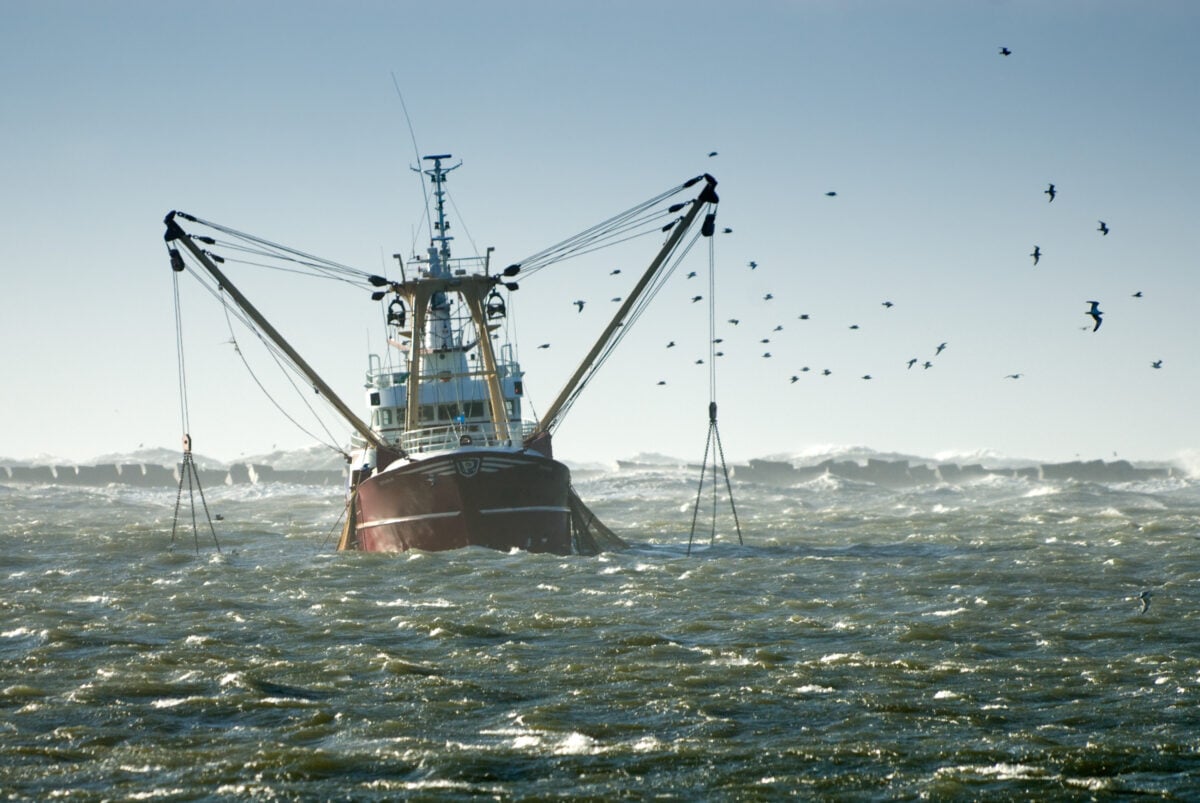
945 642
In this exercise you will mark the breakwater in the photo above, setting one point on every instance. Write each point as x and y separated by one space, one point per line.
902 473
155 476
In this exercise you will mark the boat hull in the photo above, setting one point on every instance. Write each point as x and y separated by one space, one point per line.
471 497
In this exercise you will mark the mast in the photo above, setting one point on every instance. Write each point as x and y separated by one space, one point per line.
176 233
706 196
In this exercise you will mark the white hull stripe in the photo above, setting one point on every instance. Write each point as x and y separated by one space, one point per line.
534 509
403 519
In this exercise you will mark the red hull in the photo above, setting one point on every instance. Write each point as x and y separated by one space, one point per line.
472 497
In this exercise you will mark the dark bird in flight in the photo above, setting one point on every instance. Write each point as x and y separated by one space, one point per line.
1037 254
1156 364
699 362
1144 598
615 272
941 347
616 299
888 304
544 346
580 305
866 376
826 372
718 340
765 340
734 321
831 194
727 230
853 326
768 297
1014 376
767 354
1103 228
671 345
1095 313
662 381
712 154
803 316
912 362
719 354
1138 294
778 328
692 275
795 379
696 298
1004 51
752 264
804 370
1051 192
927 365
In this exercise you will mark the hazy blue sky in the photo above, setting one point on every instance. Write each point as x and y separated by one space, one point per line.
280 118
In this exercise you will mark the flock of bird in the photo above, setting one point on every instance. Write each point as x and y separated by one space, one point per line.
1051 192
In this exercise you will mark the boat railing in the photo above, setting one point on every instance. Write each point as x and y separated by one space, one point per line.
454 436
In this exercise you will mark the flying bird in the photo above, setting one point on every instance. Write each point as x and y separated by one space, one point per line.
1095 313
1103 228
888 304
752 264
853 326
1051 192
662 381
727 230
912 362
1037 254
831 194
1004 51
1014 376
826 372
712 154
696 298
768 297
579 304
804 370
767 354
803 316
692 275
615 271
927 365
1144 598
699 362
616 299
765 340
778 328
718 340
734 321
941 347
866 376
795 379
1156 364
544 346
671 345
1138 294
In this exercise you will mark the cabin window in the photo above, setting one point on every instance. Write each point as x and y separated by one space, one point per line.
427 412
385 417
375 399
475 409
514 409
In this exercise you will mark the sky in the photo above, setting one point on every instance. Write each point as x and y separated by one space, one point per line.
284 120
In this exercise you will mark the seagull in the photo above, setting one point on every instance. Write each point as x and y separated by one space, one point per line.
1051 192
718 340
778 328
1004 51
692 275
765 340
941 347
712 154
580 305
544 346
662 381
616 299
1138 294
826 372
888 304
795 379
727 230
734 321
1156 364
927 365
752 264
804 370
1037 254
696 298
615 272
831 194
699 362
768 297
1095 313
1144 597
671 345
767 354
1103 228
853 326
912 362
866 376
1014 376
803 316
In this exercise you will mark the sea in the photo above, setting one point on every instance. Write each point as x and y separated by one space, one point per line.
982 640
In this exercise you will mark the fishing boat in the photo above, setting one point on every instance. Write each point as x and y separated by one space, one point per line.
449 456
